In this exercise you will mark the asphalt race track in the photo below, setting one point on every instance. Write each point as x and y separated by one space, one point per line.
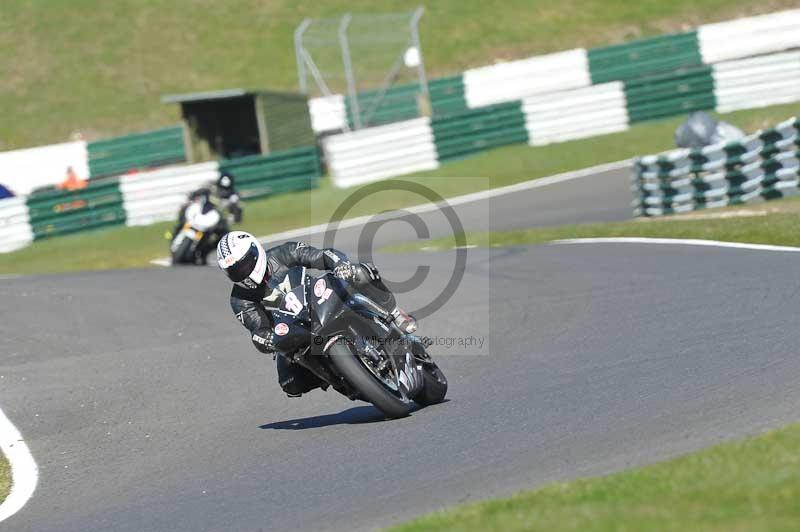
146 407
602 197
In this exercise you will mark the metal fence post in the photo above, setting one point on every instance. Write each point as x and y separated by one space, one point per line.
423 79
298 46
348 70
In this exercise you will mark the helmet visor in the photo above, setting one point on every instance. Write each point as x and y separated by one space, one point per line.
242 268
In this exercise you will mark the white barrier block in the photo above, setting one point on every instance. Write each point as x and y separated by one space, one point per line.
749 36
155 196
380 152
516 80
574 114
328 113
15 229
757 81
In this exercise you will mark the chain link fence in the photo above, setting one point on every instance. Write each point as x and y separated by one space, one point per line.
370 64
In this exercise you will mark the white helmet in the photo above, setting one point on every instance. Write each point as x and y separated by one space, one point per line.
242 258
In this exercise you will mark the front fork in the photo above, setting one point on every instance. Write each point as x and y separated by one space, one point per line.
398 357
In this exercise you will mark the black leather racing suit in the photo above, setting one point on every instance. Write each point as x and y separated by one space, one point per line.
253 307
229 201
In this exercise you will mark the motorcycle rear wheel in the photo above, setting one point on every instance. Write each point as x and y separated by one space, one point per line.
350 366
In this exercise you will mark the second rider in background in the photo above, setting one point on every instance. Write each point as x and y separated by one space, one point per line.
228 197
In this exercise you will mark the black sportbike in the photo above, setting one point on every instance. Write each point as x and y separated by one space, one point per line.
355 347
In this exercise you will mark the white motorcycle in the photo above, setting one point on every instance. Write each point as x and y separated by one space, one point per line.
201 222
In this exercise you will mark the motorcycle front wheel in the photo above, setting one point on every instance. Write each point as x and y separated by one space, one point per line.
180 254
435 385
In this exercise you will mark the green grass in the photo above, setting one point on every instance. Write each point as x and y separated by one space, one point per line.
5 478
124 247
99 68
776 223
751 485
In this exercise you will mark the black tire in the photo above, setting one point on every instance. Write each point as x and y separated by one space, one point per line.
368 386
435 387
178 257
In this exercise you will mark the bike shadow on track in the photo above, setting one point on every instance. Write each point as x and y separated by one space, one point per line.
358 415
352 416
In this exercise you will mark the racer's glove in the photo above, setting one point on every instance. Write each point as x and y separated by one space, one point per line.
345 271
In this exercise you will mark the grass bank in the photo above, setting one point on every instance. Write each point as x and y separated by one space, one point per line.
776 223
134 247
5 478
100 67
751 485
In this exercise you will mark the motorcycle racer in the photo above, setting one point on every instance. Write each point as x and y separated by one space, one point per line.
257 274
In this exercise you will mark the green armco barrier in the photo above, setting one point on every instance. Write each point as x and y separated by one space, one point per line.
668 86
675 106
80 221
670 94
474 131
645 56
142 150
264 175
57 212
377 107
400 102
447 96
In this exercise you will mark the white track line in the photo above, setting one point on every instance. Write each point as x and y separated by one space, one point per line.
457 200
24 471
678 241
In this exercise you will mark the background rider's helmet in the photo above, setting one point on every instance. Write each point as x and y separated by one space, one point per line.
201 195
242 258
225 181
